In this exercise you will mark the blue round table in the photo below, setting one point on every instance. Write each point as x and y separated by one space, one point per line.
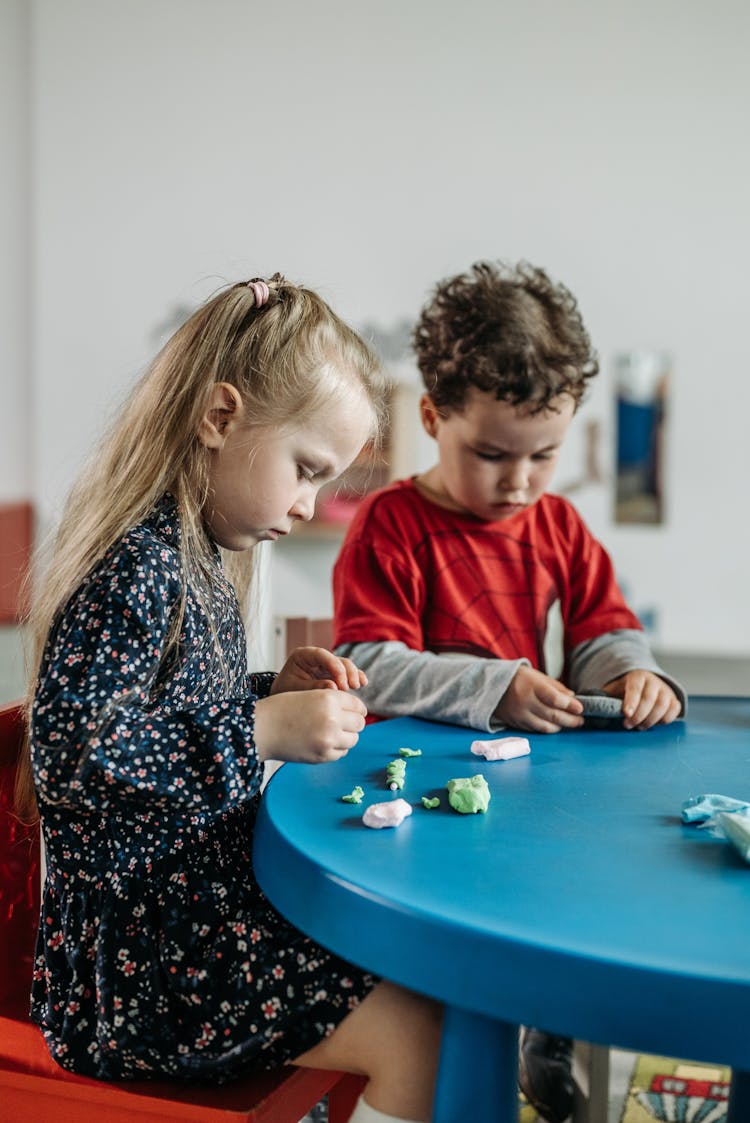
578 903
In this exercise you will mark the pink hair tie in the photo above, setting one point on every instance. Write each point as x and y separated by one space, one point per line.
261 291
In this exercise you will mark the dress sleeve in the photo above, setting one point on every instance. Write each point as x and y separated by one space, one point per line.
97 734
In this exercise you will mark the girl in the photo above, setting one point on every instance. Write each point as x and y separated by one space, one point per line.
157 954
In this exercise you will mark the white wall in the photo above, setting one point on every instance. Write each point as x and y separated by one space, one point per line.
15 428
370 150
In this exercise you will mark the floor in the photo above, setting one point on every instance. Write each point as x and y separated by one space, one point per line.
698 674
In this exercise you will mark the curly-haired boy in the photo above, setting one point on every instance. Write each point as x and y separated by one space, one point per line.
468 593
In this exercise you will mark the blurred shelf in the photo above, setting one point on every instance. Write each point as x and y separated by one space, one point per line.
321 530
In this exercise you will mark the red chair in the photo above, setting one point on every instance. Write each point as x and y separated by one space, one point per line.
33 1088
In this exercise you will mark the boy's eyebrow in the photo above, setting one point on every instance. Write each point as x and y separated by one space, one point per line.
487 446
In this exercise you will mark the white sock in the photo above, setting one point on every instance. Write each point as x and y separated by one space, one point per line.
363 1113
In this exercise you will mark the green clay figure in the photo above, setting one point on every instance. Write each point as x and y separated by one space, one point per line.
410 752
395 774
355 796
430 803
468 794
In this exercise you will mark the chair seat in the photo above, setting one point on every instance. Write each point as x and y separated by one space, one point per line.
36 1087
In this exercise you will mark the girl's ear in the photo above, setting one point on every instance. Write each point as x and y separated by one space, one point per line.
224 410
429 414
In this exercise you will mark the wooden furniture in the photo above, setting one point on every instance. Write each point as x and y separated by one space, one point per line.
579 902
301 631
16 536
33 1088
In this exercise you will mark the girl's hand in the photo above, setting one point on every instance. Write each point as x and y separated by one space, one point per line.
538 703
646 699
313 727
314 668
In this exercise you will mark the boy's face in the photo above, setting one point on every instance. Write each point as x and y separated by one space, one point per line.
495 459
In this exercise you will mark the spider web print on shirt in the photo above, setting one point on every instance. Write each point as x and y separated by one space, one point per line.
443 581
503 584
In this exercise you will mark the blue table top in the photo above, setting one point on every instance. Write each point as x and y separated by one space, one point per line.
579 902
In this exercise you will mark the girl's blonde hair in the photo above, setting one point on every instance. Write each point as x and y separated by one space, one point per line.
285 358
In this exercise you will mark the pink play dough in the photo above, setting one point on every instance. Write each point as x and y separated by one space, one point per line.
505 748
389 814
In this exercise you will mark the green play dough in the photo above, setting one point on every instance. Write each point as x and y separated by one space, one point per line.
355 796
468 794
430 803
395 774
410 752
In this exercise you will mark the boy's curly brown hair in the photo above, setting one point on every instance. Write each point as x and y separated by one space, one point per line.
508 330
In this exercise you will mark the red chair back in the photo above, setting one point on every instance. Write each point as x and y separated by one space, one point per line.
19 866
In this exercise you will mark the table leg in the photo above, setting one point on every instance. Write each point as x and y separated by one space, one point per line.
739 1098
478 1073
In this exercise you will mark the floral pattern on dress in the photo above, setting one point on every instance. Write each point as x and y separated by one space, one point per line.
157 954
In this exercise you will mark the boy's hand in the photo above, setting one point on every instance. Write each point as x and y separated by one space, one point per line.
646 699
538 703
314 668
312 727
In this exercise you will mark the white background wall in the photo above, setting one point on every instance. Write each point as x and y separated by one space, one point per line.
369 150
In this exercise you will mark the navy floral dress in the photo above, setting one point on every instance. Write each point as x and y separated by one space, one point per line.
158 955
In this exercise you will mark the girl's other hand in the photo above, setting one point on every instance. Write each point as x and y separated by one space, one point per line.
314 668
646 699
538 703
312 727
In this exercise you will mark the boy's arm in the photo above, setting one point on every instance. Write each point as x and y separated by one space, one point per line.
458 689
598 661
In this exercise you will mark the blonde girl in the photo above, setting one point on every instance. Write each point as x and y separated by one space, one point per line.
157 954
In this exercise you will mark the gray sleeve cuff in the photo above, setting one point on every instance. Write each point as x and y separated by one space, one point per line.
457 689
596 662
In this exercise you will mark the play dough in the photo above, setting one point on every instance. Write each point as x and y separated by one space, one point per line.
505 748
389 814
395 774
468 794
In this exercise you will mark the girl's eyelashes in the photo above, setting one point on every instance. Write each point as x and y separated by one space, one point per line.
304 473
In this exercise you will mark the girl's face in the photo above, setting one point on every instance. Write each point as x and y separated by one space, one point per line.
495 459
264 478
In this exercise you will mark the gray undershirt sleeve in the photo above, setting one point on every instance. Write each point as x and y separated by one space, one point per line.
597 661
465 690
458 689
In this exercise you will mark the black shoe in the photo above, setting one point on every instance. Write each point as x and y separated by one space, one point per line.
544 1074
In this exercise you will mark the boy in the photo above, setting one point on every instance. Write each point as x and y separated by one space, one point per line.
470 595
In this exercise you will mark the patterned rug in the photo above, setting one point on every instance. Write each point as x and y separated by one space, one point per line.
668 1091
665 1089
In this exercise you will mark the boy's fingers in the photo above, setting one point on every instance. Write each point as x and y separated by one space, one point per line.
556 697
637 709
537 724
567 719
665 709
